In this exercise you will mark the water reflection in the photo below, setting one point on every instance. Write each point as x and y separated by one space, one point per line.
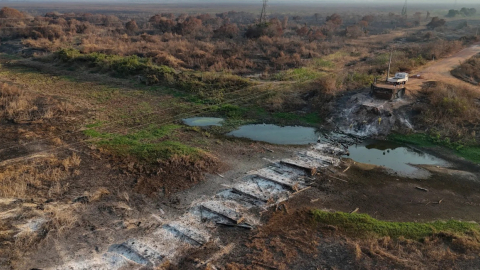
394 156
293 135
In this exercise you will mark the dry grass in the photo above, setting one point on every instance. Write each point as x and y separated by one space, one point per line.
293 241
226 42
452 110
62 218
469 70
17 105
432 253
99 193
55 222
38 178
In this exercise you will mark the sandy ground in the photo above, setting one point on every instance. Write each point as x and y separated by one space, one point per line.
439 70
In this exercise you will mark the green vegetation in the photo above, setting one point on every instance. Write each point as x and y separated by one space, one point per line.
361 225
240 115
299 74
468 151
310 118
150 144
400 61
359 79
205 84
323 64
231 111
338 55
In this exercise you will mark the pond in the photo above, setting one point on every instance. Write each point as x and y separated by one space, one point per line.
289 135
203 121
397 157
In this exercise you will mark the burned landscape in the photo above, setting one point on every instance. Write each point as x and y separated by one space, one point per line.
239 136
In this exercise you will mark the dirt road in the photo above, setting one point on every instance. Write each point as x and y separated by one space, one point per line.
440 70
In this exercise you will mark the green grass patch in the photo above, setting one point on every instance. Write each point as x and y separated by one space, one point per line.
94 125
310 118
323 64
9 56
336 56
150 144
419 139
469 151
299 74
231 111
362 225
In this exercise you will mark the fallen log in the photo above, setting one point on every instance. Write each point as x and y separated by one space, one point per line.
300 190
244 225
422 189
337 178
269 150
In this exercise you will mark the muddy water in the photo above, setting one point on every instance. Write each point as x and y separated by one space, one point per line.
395 157
289 135
203 121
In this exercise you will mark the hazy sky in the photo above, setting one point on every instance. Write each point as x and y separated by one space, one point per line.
433 2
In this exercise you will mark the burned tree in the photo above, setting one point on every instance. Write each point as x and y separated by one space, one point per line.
436 22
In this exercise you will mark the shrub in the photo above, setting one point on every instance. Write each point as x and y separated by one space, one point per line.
451 110
205 84
469 70
11 13
131 26
436 22
226 31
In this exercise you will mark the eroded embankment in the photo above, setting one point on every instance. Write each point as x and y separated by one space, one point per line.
361 114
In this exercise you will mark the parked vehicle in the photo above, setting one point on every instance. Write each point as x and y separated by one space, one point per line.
400 78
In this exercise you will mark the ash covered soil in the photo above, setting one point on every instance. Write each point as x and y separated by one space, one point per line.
290 239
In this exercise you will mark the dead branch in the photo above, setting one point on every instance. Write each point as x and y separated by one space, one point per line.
422 189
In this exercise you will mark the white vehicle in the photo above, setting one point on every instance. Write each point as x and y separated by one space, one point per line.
400 78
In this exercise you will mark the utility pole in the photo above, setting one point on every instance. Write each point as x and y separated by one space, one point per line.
389 64
263 14
404 9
